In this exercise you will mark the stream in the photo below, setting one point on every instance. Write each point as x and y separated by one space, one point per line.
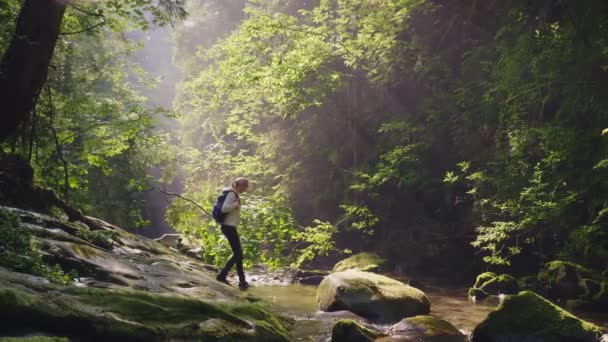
449 303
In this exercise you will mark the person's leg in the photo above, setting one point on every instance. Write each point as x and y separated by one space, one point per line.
237 251
229 233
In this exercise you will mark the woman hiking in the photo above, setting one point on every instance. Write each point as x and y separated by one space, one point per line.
231 208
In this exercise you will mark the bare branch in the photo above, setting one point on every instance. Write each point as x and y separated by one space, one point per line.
165 192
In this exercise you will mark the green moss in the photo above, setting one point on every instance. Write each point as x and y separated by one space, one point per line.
502 284
431 325
528 315
361 261
479 294
136 316
371 295
483 278
100 238
349 330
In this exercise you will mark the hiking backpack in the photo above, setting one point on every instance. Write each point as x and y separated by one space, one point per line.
217 213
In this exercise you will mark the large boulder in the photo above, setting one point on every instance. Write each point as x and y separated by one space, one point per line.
371 295
132 289
368 262
91 314
563 280
530 317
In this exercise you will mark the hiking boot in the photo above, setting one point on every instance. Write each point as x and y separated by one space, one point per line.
222 279
243 285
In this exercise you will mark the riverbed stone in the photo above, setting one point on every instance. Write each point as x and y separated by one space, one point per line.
530 317
502 284
371 295
425 328
477 294
483 278
346 330
489 283
369 262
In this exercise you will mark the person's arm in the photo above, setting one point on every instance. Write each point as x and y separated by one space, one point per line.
230 203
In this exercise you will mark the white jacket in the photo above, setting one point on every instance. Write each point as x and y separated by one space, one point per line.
232 207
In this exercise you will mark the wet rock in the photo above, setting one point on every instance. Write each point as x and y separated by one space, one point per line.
134 263
425 328
489 283
346 330
129 315
313 280
483 278
530 317
477 294
502 284
369 262
372 296
310 273
170 240
196 253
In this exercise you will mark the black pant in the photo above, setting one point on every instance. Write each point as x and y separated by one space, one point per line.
237 252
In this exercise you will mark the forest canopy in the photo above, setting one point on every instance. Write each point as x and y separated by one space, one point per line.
467 134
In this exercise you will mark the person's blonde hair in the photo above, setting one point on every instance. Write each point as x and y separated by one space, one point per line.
240 180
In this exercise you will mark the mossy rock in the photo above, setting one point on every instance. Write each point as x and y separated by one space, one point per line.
483 278
563 280
492 284
371 295
528 316
426 328
346 330
129 315
502 284
478 294
369 262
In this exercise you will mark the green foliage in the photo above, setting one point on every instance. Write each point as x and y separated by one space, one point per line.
101 238
20 252
93 133
318 240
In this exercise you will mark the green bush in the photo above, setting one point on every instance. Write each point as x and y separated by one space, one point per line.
20 252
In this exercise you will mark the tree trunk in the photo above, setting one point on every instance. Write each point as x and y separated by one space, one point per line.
24 66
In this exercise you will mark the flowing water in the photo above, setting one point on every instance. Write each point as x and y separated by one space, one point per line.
449 303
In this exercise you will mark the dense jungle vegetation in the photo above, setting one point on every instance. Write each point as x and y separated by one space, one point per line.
450 136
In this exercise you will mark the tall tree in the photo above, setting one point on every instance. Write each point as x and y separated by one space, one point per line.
25 64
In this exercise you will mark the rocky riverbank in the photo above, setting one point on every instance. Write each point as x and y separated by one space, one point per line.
127 288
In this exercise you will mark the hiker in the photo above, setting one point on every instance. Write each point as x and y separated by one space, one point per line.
230 212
